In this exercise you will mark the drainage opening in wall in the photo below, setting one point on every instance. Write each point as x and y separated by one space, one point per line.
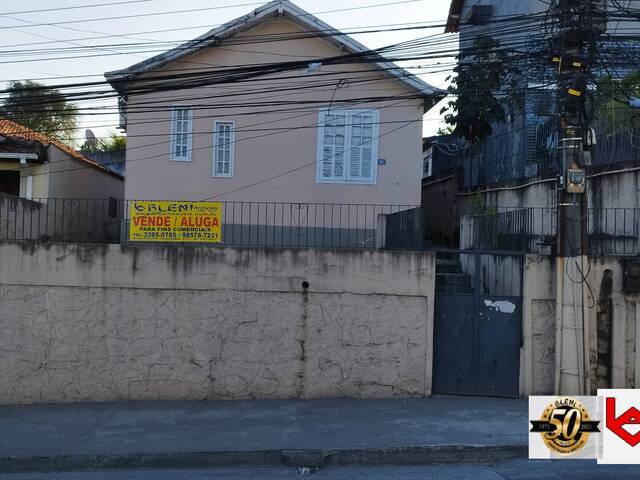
305 285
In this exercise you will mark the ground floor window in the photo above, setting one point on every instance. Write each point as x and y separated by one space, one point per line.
10 182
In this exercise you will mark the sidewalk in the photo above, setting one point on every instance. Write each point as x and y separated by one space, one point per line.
291 433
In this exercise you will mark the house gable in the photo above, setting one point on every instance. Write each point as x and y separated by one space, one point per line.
276 9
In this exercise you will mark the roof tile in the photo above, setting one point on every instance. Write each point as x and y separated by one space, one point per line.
12 129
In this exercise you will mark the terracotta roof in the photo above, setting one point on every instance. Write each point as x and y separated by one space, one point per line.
15 130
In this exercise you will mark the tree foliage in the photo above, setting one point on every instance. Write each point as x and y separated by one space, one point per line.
115 143
484 86
40 108
612 109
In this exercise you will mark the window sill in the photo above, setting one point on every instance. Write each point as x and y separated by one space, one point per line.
346 182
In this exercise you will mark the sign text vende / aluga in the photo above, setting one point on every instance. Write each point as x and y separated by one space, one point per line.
161 221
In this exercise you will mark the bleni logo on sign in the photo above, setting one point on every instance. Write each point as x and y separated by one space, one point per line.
175 222
565 425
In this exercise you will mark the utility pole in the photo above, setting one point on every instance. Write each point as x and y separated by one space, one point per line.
581 23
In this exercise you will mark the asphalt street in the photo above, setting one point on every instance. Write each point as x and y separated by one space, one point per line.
513 470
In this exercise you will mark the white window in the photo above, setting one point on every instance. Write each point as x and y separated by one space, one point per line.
181 133
223 148
427 163
347 146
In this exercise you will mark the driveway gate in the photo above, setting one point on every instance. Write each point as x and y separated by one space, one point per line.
478 324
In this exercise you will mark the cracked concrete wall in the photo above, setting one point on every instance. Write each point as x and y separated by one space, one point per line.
538 318
107 323
614 354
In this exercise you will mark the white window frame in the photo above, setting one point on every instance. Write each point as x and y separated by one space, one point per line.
29 187
232 149
428 163
172 153
346 177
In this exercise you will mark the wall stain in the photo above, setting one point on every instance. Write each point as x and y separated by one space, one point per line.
304 332
604 321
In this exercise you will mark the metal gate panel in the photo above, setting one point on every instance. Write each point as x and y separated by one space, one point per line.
499 334
478 326
453 344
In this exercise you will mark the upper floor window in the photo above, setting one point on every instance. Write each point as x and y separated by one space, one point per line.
480 14
181 133
223 148
427 163
347 146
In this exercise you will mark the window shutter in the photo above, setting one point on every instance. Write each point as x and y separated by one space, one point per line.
333 146
347 146
223 149
181 120
369 123
362 146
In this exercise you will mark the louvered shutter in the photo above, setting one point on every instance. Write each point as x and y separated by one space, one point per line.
347 146
362 147
333 137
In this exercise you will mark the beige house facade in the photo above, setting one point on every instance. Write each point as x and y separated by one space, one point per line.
275 106
50 192
34 166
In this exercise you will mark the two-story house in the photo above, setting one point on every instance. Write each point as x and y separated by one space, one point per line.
275 106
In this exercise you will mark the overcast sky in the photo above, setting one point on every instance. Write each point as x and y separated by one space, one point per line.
198 22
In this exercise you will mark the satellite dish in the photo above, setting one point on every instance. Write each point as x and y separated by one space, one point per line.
92 141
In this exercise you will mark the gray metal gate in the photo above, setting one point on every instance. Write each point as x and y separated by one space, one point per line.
478 324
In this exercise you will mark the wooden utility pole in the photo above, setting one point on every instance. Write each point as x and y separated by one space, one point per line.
581 22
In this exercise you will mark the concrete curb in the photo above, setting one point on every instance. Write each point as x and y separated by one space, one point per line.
315 458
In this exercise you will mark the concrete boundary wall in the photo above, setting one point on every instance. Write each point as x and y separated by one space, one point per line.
110 322
613 321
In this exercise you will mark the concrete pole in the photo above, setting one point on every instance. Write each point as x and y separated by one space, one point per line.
572 345
571 333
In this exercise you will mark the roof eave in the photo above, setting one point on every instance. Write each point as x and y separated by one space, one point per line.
455 13
278 7
208 39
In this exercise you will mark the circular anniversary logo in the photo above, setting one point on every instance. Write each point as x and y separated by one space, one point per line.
565 426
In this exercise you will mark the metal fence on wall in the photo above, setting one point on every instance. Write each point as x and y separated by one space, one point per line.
529 230
303 225
611 231
251 224
60 219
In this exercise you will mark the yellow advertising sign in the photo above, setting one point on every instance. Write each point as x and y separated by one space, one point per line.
175 222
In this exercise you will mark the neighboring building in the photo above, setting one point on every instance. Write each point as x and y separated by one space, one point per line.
441 153
524 146
334 132
50 192
113 160
501 192
35 166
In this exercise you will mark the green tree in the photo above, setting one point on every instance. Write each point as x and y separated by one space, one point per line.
485 83
448 130
115 143
43 109
612 110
